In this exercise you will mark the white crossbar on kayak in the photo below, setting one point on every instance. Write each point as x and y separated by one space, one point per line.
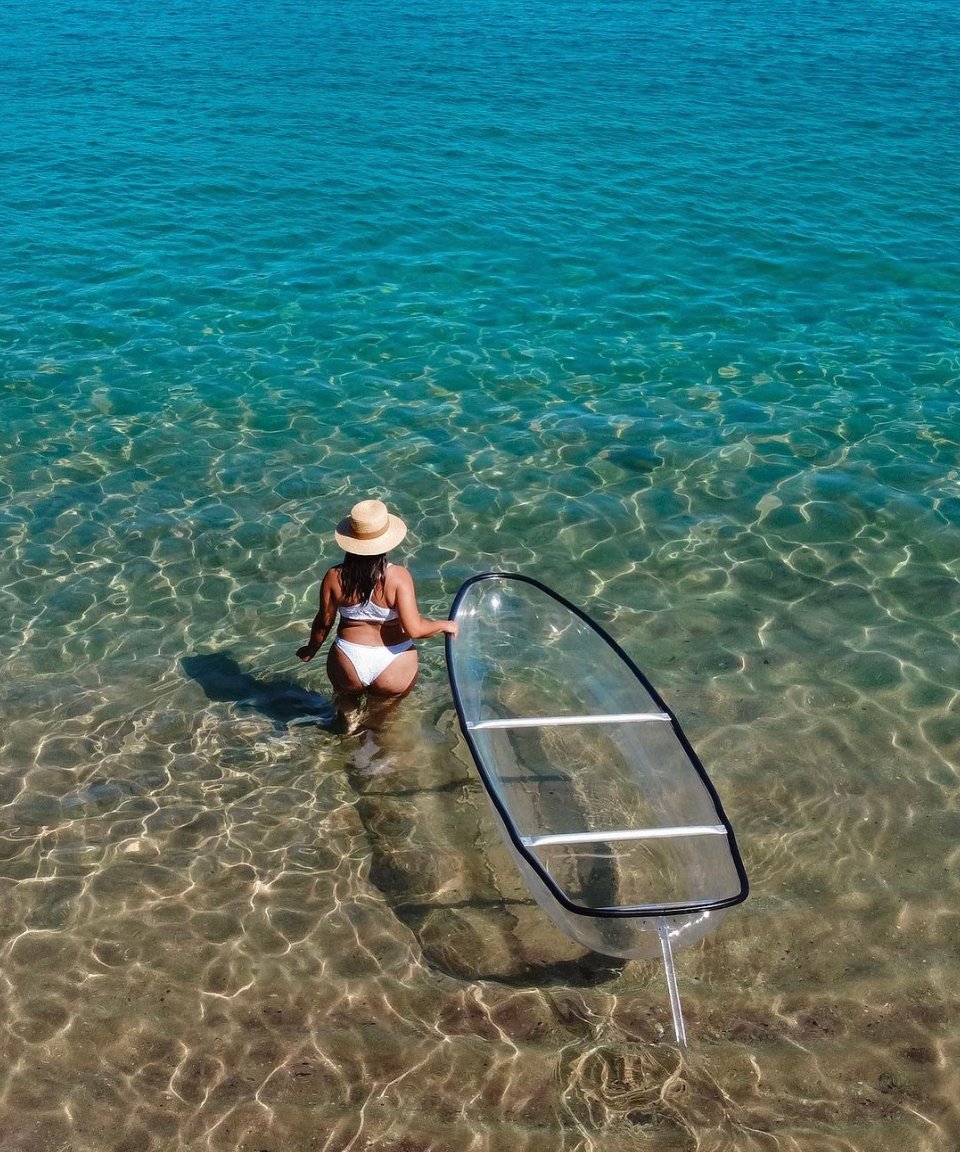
623 834
548 721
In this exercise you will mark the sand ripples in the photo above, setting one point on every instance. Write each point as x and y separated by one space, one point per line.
225 926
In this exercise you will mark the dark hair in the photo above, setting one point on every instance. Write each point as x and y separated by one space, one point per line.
360 575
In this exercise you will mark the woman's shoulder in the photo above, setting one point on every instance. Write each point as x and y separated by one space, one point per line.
396 576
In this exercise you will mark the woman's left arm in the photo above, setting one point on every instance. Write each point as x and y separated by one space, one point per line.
323 621
416 626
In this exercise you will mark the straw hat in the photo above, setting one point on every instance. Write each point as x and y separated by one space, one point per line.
370 529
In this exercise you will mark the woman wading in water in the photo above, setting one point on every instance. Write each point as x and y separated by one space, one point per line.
376 601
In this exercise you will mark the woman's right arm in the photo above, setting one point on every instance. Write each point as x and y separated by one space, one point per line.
324 619
416 626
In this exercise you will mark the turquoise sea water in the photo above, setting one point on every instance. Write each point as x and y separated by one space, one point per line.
657 302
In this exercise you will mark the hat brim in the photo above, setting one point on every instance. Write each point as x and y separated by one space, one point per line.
389 538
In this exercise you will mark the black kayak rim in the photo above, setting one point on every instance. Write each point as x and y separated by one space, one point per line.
619 912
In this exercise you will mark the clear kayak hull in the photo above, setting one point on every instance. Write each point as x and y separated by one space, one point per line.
609 814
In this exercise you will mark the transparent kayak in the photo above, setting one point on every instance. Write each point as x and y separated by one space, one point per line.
609 814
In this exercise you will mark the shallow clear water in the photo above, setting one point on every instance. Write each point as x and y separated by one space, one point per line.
658 303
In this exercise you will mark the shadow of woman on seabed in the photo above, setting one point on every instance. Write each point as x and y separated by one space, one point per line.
285 702
282 701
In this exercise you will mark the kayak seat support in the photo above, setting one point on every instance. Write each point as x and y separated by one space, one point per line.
623 834
552 721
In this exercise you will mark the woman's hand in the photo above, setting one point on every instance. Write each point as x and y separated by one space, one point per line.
451 627
323 621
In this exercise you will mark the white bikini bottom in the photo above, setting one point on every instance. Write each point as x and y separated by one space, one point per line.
370 660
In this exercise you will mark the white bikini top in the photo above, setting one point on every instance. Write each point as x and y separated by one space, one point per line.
368 612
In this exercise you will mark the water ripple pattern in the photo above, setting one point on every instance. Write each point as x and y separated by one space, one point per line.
657 302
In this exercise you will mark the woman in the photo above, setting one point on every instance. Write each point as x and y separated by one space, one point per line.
379 619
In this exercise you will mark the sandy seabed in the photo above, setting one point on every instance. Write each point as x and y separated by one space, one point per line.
225 927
